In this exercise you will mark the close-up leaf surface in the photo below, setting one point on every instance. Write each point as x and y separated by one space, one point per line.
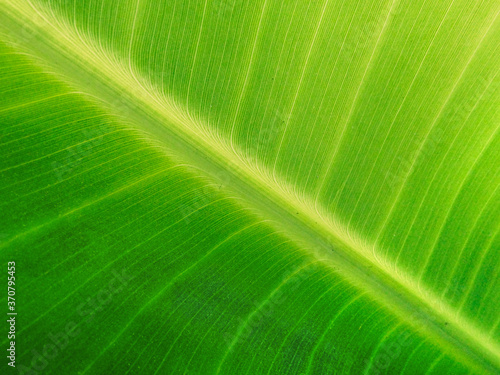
251 187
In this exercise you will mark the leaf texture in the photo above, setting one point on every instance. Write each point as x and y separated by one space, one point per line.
232 187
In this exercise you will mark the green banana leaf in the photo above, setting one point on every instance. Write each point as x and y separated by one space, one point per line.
250 187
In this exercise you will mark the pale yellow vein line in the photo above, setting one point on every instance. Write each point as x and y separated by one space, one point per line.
475 273
460 252
132 38
451 205
297 90
431 127
356 96
195 54
431 180
492 288
247 74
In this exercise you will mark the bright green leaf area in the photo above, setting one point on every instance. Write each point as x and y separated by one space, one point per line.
251 187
